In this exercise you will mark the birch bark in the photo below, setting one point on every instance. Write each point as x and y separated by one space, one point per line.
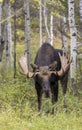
27 30
80 9
51 27
64 37
0 19
8 36
46 22
40 22
0 33
73 48
15 39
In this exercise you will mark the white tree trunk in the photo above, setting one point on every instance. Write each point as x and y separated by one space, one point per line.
0 20
51 27
14 39
80 9
45 22
27 30
8 36
0 29
64 37
40 22
73 36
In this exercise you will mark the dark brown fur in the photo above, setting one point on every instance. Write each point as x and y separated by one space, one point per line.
46 82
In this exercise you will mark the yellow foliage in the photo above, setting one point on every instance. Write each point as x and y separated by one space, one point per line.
12 1
57 15
1 1
36 0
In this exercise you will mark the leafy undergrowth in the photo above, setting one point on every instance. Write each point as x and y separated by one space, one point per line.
18 103
18 108
60 121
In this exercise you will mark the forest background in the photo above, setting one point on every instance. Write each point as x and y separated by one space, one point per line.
18 100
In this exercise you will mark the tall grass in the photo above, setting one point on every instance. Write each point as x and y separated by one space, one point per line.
18 108
18 103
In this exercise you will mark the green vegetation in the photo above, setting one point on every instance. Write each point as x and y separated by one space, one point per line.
18 103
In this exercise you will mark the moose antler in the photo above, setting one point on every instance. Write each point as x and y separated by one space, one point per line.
65 64
23 64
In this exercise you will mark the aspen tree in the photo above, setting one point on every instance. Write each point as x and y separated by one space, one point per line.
27 30
80 9
64 37
0 31
40 22
8 35
73 45
51 27
47 33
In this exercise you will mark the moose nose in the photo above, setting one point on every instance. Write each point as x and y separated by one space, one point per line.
46 89
45 86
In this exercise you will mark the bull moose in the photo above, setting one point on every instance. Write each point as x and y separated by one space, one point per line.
50 66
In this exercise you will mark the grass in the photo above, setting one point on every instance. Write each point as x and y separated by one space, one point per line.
18 103
18 109
60 121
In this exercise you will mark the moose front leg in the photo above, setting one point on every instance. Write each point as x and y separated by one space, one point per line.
54 95
39 96
64 81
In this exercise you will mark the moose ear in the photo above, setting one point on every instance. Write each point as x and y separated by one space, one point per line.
34 66
53 66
